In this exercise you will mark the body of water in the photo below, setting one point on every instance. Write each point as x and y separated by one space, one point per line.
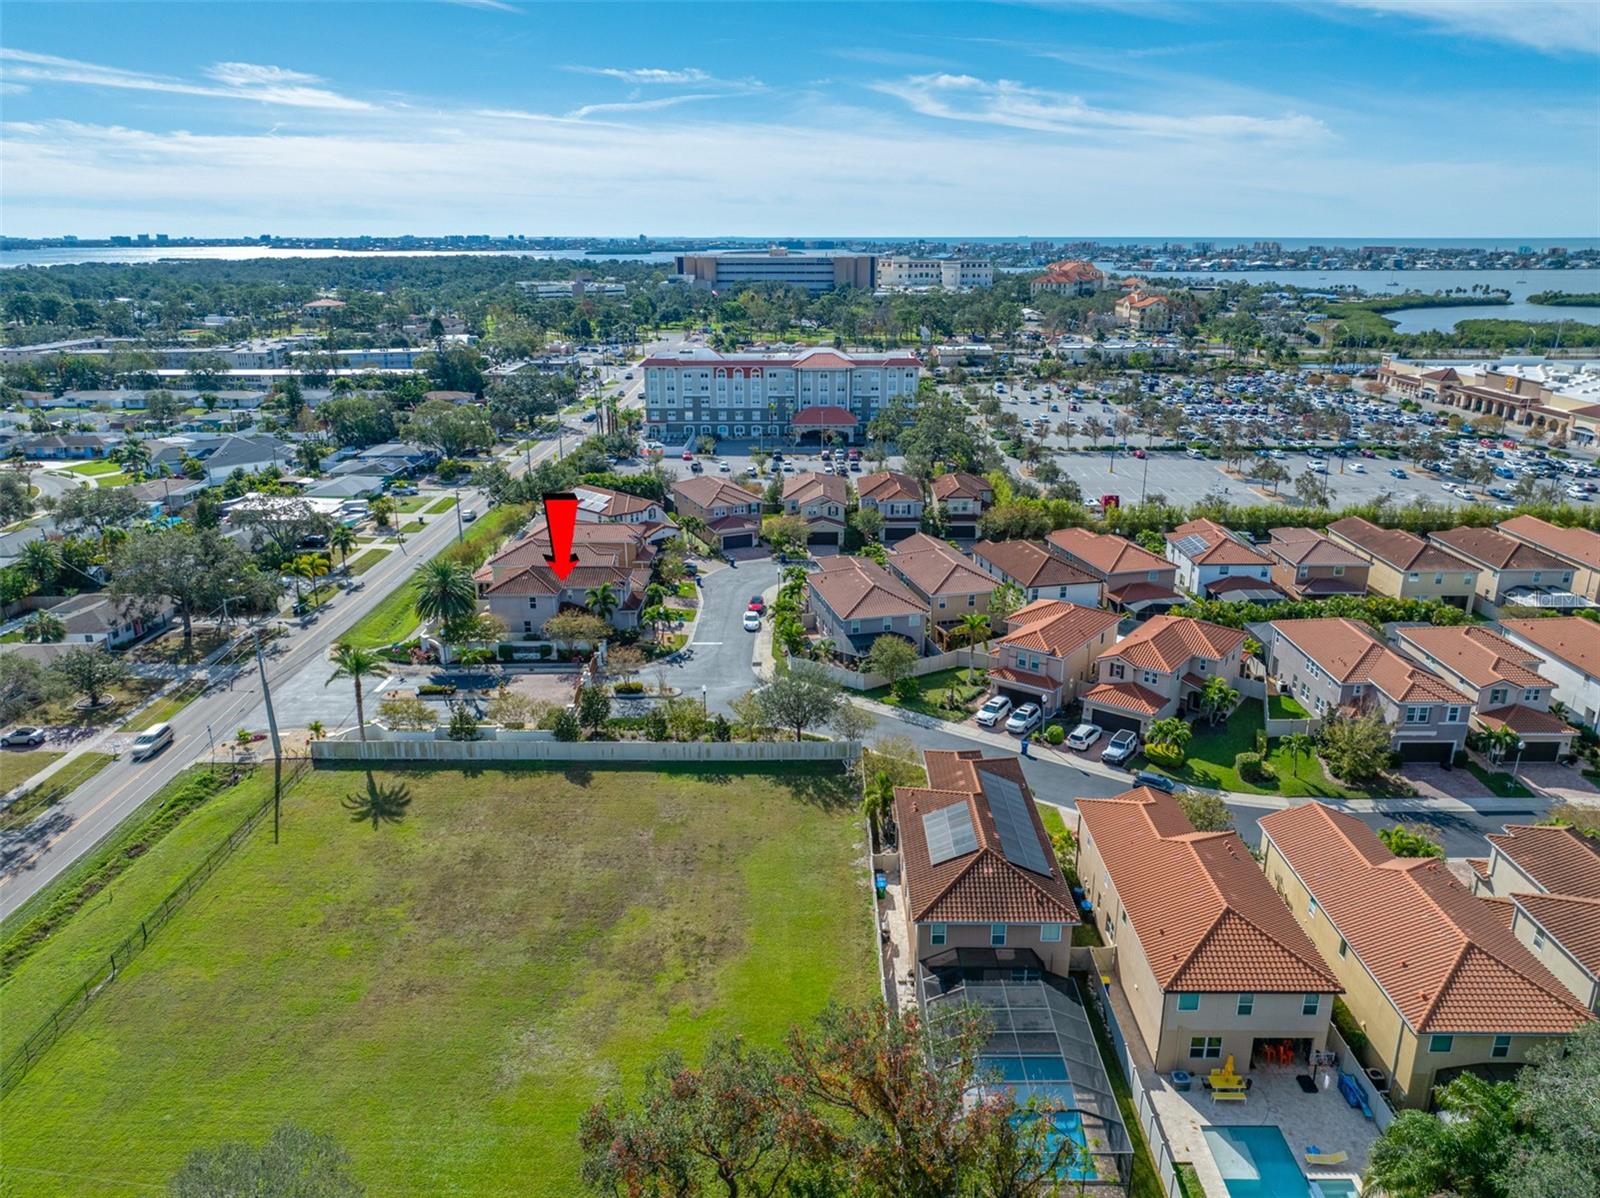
71 255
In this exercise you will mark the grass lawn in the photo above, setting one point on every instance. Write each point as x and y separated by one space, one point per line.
116 703
1211 754
930 690
1501 784
114 479
413 526
410 985
1285 707
441 505
169 649
407 504
166 707
94 469
53 789
17 768
364 561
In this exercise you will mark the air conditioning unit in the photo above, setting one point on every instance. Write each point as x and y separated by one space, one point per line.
1379 1080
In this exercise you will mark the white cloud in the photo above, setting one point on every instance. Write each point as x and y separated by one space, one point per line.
232 80
654 75
589 110
1553 26
1014 105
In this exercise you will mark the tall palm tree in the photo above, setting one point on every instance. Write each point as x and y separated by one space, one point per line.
601 600
40 561
356 664
343 538
132 456
976 627
443 592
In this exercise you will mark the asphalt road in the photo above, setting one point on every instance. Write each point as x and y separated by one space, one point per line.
720 655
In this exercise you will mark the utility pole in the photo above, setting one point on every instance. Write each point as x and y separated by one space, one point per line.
277 747
460 536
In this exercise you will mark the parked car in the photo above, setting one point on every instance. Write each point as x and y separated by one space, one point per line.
1025 719
403 489
1397 473
758 604
752 621
688 456
1083 736
723 468
1154 781
995 710
1357 468
25 735
1123 746
696 468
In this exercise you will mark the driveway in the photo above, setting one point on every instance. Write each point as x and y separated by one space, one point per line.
718 656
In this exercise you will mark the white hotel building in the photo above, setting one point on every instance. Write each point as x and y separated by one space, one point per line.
697 392
901 273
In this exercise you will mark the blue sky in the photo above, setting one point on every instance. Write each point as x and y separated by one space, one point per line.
1429 118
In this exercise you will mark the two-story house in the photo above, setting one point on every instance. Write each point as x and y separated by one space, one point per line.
1037 573
1504 680
1578 549
1509 571
1432 974
1308 565
1550 877
1048 650
1404 566
1570 650
894 496
1159 670
518 588
731 514
1336 666
1214 563
819 500
962 499
1136 580
854 601
602 505
981 878
1209 959
946 579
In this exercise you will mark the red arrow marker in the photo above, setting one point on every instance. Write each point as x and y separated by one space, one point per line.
561 516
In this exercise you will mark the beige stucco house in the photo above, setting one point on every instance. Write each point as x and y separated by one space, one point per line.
1405 566
1432 974
947 580
1576 548
1159 670
1136 580
1211 962
1048 651
1509 571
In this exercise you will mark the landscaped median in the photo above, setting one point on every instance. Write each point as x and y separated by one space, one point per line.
394 618
401 973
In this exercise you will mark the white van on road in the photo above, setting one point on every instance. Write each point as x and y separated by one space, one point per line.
151 741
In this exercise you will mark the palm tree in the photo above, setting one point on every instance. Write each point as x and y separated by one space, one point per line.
44 627
601 600
343 538
975 626
40 561
1217 698
356 664
443 592
381 510
132 456
1298 745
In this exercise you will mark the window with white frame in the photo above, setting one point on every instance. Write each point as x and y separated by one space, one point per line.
1205 1048
1311 1004
1050 933
936 934
997 935
1416 715
1247 1004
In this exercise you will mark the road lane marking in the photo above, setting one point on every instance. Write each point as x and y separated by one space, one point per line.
705 642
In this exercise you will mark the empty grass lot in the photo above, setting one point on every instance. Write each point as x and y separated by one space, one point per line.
17 767
444 970
94 469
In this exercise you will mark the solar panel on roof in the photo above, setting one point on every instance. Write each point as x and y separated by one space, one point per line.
1009 806
949 833
1191 544
592 501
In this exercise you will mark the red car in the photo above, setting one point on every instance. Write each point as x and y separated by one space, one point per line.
1138 453
687 456
757 605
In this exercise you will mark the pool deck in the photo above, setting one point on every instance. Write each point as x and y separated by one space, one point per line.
1323 1118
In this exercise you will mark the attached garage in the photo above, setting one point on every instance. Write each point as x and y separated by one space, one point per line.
1433 752
1541 750
1112 721
743 540
824 537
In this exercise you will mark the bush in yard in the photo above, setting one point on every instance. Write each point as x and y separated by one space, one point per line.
894 657
1167 757
1356 749
1053 735
1205 812
1252 768
655 725
463 724
1348 1027
1413 840
436 688
632 687
564 723
409 714
905 689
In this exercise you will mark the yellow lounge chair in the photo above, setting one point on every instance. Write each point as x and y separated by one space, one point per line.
1239 1095
1314 1157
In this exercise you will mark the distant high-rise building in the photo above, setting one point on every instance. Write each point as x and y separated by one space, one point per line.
814 270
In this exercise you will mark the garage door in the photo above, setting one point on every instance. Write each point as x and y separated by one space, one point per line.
1541 750
742 541
1430 751
1111 721
824 538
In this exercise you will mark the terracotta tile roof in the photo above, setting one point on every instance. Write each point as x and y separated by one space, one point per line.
1395 547
1056 627
1494 549
806 488
1502 909
1166 643
1442 956
1349 654
1205 914
617 503
1037 683
1221 547
1030 565
1477 655
1107 554
933 567
1480 866
1526 721
1558 859
1572 920
707 492
982 885
958 484
622 543
1071 271
888 486
854 587
823 416
1125 696
1141 592
1571 639
1307 547
1574 544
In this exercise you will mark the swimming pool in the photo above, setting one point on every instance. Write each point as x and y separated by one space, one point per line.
1336 1188
1255 1162
1023 1076
1026 1069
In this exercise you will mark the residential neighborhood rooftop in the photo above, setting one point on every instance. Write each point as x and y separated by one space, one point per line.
1561 860
1349 653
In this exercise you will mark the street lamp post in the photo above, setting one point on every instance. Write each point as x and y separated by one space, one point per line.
704 708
